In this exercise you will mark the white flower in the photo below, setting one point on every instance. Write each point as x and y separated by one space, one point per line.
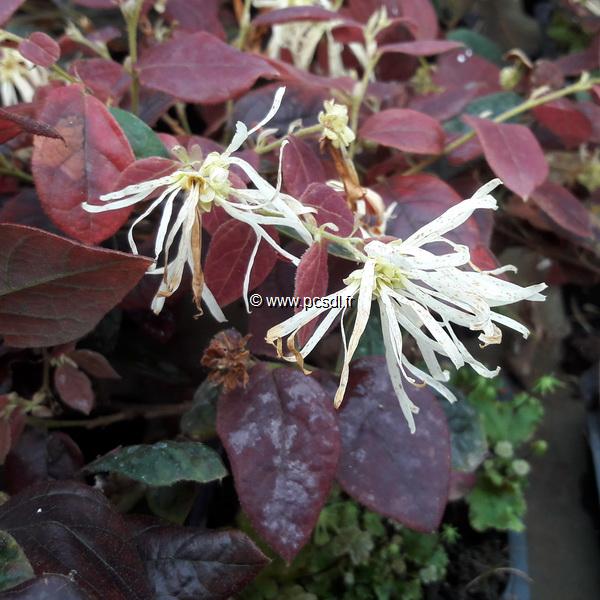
18 77
334 120
206 184
300 38
425 295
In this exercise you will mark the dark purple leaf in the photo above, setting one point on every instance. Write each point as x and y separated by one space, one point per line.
190 563
196 15
563 208
294 13
71 529
400 475
404 129
301 167
199 67
94 364
47 587
82 166
282 440
40 49
74 388
54 290
513 153
7 8
565 119
312 279
39 456
331 207
228 256
421 47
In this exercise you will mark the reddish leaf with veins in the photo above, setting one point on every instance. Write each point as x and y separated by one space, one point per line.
312 279
282 440
404 129
228 256
400 475
40 49
201 68
74 388
513 153
54 290
81 168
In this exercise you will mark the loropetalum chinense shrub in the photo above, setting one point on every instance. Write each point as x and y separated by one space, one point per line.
324 175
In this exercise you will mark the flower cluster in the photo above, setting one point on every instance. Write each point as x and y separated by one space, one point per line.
334 120
423 294
18 77
205 183
418 292
300 38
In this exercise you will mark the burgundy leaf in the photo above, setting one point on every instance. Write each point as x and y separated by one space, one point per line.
74 388
107 79
282 440
83 166
201 68
295 13
196 15
513 153
11 428
46 587
404 129
145 169
40 49
312 280
7 8
443 105
39 456
12 122
331 207
8 128
467 71
301 101
301 167
564 119
280 282
400 475
563 208
190 563
54 290
212 220
94 364
228 256
421 47
73 530
420 13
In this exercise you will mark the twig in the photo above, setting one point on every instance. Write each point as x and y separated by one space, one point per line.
145 411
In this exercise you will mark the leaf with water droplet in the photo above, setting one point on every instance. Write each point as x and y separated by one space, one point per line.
163 463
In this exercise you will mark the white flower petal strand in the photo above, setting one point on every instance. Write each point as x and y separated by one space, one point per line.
363 309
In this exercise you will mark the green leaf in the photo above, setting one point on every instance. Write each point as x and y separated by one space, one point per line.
144 142
480 44
513 420
163 463
467 435
371 341
199 423
493 507
14 566
172 503
491 105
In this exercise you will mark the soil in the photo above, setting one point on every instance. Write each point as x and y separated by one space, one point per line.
477 567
